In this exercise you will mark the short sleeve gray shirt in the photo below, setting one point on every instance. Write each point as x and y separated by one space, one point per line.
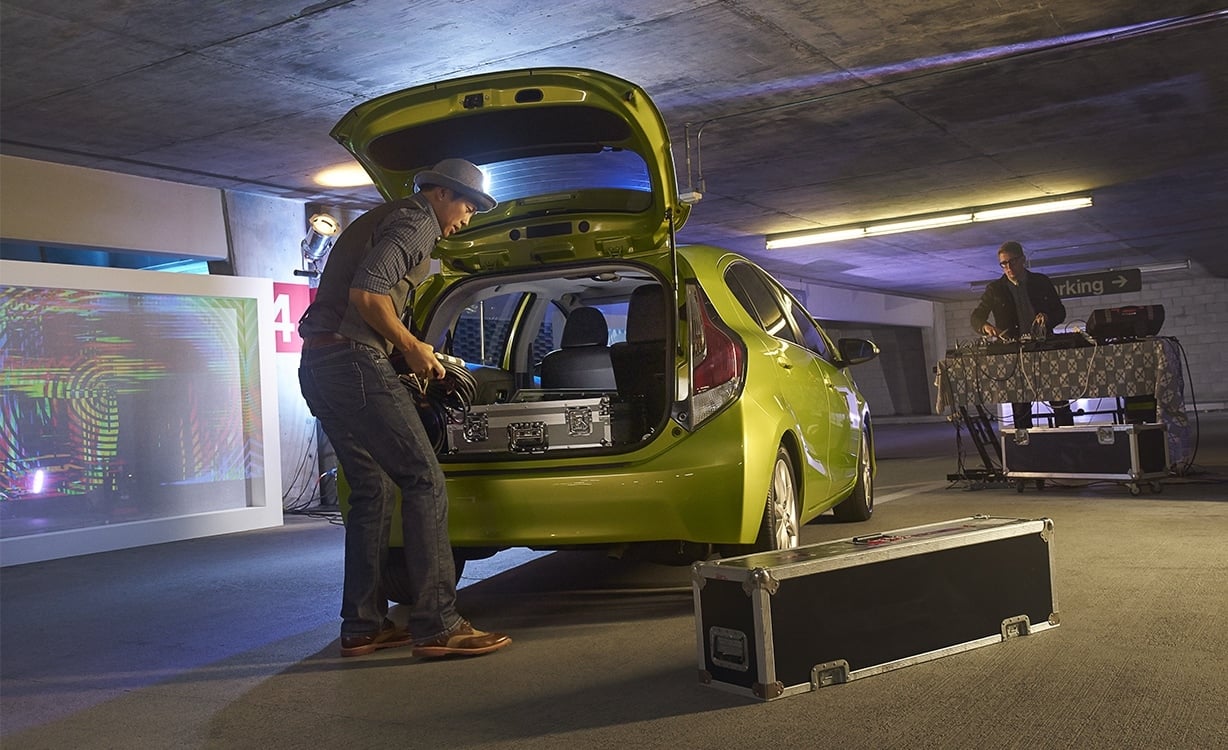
385 251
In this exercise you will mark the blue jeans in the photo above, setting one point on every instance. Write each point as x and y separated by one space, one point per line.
382 446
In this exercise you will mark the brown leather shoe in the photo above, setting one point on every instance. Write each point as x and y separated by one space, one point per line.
464 640
389 636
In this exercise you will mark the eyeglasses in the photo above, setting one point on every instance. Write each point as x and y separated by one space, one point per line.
1009 261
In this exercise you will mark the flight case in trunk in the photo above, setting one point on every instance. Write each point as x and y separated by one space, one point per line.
542 422
777 623
1124 453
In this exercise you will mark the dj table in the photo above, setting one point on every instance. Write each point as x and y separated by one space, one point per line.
974 377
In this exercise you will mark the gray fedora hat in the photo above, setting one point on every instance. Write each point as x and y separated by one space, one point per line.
461 176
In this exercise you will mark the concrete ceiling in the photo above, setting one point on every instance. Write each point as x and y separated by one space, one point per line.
785 114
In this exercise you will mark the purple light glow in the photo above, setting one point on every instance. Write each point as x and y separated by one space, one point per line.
873 75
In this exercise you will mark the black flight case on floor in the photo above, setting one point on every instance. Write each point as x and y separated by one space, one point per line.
1127 453
777 623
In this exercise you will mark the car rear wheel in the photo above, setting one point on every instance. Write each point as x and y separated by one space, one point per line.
859 506
780 529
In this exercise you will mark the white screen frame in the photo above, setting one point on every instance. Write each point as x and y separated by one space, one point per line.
265 508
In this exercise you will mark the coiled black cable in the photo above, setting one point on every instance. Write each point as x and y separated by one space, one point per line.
438 399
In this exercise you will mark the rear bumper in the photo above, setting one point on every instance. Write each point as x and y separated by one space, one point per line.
692 491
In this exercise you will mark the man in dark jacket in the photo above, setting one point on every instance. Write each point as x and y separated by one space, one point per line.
1022 302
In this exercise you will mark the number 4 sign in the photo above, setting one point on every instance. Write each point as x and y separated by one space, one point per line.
290 301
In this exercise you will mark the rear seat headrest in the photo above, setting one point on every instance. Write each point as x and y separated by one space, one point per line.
646 314
585 326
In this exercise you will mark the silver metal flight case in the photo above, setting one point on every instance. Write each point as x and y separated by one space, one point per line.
778 623
541 422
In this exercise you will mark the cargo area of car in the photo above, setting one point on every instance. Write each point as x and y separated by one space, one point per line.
554 362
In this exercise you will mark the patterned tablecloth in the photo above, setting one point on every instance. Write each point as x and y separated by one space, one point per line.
1135 368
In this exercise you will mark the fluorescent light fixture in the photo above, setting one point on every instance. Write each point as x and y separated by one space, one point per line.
1180 265
813 238
1029 209
913 225
928 221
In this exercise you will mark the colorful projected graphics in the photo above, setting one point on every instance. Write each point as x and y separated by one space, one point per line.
124 406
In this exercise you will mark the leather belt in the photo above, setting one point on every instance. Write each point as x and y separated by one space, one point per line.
321 340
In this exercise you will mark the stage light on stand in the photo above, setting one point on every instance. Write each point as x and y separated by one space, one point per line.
322 229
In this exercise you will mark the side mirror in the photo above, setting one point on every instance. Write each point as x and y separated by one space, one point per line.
856 351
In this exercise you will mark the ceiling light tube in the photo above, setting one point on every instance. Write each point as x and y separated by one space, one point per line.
1180 265
928 221
913 225
1030 209
778 241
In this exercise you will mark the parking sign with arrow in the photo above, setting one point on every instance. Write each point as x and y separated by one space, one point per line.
1096 284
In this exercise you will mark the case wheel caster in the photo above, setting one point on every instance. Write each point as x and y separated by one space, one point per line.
1040 485
1135 489
1157 487
1018 485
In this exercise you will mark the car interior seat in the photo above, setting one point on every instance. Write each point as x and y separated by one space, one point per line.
583 359
640 361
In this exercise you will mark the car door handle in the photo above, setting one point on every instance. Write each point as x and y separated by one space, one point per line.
785 363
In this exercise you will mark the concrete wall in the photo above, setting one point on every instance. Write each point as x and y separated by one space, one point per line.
265 233
55 204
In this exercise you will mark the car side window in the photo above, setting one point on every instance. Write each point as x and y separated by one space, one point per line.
813 338
481 332
616 318
775 308
757 297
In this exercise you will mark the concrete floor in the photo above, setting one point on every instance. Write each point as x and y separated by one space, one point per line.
231 642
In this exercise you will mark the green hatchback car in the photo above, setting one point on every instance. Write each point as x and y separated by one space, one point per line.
619 391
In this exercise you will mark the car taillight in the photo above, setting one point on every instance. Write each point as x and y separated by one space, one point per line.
717 360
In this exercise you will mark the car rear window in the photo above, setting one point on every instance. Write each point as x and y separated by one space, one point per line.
562 173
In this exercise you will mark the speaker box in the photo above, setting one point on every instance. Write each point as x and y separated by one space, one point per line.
1126 322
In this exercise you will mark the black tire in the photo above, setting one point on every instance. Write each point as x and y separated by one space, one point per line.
780 528
859 505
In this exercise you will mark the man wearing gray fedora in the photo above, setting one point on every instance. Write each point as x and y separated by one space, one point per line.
351 386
